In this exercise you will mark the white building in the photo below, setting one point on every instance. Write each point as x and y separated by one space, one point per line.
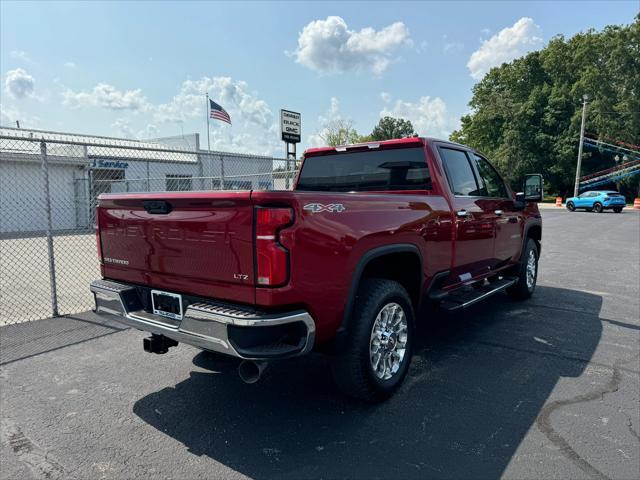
81 167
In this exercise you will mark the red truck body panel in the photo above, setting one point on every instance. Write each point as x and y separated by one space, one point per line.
205 246
196 249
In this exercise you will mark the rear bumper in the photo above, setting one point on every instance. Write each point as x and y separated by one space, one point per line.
228 329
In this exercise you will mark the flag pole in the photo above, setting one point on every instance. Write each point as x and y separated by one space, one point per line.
207 114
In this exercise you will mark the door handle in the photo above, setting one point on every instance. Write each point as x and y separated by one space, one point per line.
462 213
498 212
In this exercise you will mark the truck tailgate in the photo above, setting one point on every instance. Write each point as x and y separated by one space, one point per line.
199 243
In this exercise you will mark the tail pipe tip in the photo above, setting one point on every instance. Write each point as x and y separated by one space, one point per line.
250 371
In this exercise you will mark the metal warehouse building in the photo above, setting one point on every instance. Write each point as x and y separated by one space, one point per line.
77 168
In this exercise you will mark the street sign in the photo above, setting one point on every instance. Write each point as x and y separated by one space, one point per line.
290 126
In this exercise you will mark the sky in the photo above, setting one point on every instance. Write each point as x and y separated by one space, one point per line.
141 69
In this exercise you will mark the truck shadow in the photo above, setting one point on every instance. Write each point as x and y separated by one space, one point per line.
477 384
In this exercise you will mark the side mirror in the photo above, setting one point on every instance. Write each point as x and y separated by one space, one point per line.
532 188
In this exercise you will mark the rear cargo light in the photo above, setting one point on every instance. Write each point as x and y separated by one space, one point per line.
272 259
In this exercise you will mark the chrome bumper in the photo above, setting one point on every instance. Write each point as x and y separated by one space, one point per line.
204 325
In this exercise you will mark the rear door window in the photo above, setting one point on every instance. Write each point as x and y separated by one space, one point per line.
369 170
462 180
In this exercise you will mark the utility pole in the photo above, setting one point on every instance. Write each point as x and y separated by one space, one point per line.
576 188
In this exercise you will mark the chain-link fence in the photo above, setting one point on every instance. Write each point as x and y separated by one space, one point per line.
49 186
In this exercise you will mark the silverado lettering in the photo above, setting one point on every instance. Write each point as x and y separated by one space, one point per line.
165 233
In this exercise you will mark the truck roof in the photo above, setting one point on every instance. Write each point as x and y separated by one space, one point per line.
382 144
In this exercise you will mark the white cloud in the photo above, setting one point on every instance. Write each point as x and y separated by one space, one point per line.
333 113
506 45
19 84
233 95
150 131
249 114
429 116
329 46
9 115
70 64
453 47
422 47
106 96
20 55
122 128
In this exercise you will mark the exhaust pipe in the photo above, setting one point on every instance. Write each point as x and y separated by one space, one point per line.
250 371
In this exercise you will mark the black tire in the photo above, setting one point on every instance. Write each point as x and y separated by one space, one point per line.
617 209
351 364
522 290
597 207
571 207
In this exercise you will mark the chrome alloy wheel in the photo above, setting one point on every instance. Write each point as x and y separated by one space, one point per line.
531 269
388 341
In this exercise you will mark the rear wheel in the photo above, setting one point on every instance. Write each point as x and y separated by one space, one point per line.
571 207
617 209
377 352
527 272
597 207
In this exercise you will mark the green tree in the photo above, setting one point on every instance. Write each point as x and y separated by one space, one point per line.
389 127
339 132
525 115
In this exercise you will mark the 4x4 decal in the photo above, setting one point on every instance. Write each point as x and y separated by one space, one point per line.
319 207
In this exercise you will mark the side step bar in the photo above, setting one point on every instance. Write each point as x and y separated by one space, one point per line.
467 296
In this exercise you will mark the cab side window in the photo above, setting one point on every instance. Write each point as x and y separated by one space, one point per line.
491 183
461 178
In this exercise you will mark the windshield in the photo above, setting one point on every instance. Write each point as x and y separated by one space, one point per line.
370 170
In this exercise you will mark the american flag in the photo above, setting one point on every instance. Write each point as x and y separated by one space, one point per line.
219 113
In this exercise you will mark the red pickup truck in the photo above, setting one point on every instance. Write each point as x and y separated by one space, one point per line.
342 264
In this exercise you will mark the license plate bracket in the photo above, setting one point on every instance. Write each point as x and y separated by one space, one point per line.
166 304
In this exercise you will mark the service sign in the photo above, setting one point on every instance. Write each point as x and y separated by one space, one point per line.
290 126
97 163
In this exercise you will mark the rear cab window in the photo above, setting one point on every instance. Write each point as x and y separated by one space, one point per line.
368 170
471 175
460 175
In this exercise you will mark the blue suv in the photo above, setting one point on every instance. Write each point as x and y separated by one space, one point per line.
597 201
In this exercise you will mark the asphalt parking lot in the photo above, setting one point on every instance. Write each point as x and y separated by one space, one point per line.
547 388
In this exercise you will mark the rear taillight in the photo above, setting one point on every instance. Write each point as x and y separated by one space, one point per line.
272 259
98 245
